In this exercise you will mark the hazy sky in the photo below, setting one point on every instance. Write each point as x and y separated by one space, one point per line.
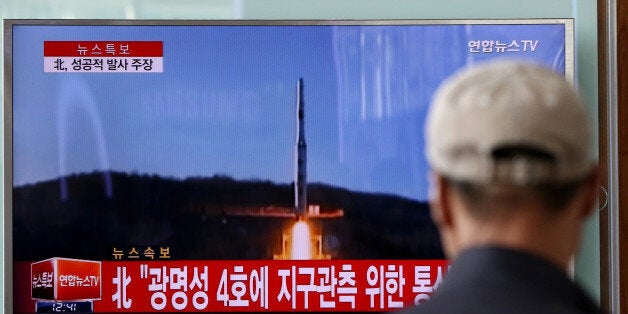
225 103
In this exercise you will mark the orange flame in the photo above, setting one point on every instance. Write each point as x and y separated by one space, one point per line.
301 241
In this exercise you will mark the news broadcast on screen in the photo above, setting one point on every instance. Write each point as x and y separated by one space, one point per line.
232 166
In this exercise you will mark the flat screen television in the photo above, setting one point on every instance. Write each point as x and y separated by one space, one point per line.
166 166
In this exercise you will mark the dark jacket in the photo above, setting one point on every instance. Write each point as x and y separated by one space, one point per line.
497 280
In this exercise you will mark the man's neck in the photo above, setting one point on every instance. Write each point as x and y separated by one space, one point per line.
530 234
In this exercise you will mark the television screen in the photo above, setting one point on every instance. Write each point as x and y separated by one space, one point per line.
166 166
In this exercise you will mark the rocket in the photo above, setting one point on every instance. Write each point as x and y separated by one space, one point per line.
300 171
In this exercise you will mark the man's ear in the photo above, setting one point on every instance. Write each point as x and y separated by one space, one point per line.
590 193
441 211
440 204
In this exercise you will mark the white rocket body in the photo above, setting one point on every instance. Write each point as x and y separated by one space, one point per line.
300 180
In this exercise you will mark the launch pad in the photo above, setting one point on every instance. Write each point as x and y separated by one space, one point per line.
301 243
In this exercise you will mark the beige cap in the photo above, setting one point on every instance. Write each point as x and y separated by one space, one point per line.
483 109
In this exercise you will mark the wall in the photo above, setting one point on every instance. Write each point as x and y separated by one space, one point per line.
587 266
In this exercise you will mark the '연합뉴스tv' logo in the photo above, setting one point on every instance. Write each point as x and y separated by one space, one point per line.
64 279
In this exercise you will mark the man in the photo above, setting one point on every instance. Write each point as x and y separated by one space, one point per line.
513 182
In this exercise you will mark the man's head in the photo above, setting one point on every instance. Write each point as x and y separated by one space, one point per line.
509 145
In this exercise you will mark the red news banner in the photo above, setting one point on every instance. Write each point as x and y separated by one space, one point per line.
248 286
103 56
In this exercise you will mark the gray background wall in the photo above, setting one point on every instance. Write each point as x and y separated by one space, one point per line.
587 262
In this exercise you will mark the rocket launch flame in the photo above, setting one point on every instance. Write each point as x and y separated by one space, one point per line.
301 241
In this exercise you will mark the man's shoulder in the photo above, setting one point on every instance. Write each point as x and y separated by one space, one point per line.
494 280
